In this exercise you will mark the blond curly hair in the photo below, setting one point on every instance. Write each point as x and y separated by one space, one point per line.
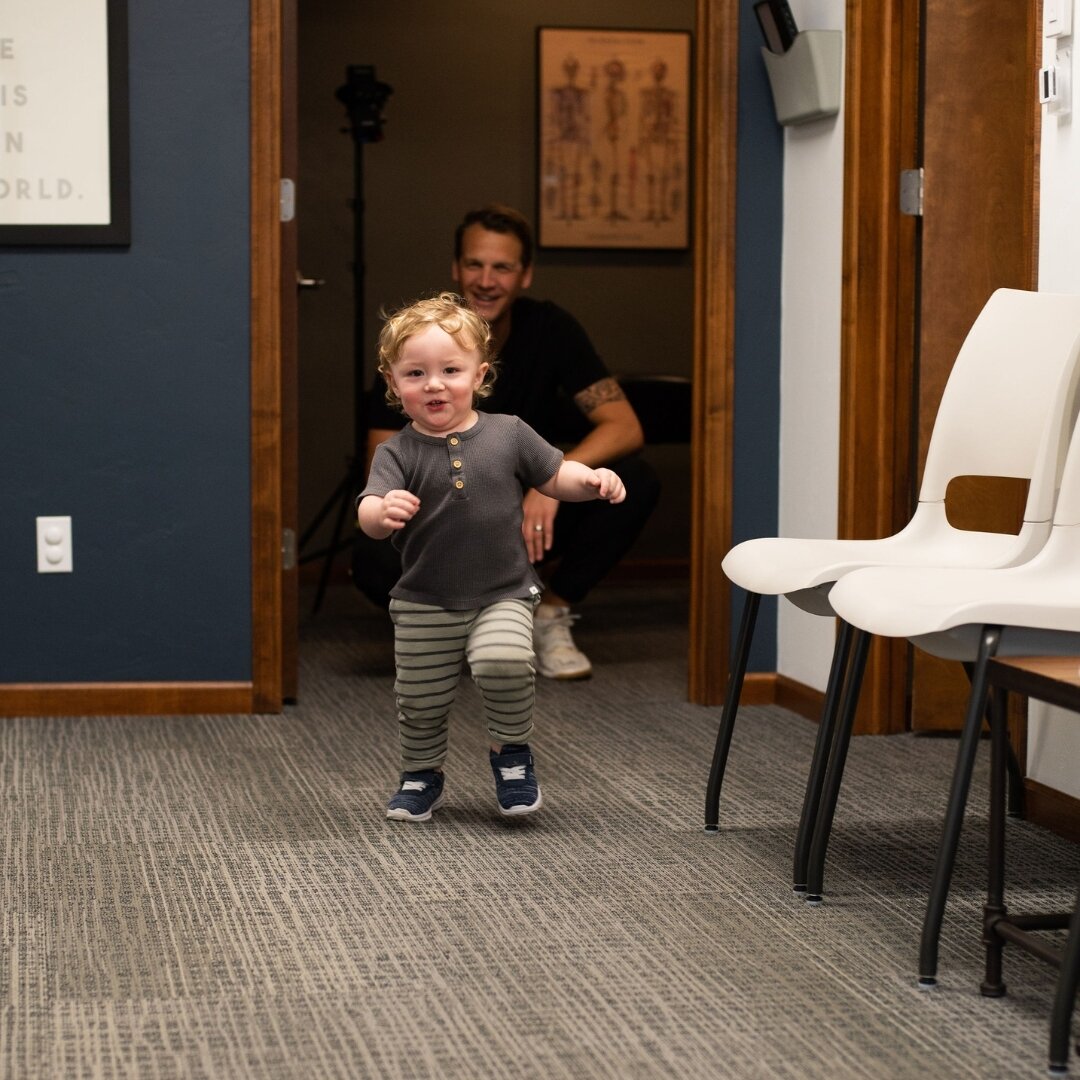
449 312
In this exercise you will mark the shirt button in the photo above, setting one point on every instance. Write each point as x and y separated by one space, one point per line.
459 484
457 463
454 440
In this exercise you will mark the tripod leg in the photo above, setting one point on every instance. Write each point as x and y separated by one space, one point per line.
325 509
335 544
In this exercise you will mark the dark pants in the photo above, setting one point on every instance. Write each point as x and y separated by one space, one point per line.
590 538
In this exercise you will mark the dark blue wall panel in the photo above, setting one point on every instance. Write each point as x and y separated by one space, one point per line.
758 237
124 389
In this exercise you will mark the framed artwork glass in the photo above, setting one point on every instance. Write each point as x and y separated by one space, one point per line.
613 123
64 176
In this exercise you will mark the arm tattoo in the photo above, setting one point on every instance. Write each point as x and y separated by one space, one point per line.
600 393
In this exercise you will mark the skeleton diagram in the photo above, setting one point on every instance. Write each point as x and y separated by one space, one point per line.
568 150
658 146
615 106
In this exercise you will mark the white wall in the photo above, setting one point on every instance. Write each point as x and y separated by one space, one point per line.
810 353
1054 736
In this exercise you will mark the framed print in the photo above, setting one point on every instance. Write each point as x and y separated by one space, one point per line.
64 123
613 120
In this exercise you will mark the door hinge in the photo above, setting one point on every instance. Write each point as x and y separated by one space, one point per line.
286 200
911 192
288 549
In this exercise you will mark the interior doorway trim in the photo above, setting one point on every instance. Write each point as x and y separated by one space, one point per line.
878 308
716 63
266 399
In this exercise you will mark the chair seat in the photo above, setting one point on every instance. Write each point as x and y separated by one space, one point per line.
909 602
777 565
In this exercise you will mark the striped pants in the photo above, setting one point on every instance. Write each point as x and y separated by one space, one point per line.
430 645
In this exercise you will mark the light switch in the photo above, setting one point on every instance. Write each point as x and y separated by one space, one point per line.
54 545
1057 18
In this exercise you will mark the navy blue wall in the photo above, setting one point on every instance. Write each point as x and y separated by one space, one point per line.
759 239
124 389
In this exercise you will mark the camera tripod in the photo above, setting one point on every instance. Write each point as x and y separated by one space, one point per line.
363 97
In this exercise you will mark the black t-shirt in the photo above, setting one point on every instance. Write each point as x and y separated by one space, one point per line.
547 359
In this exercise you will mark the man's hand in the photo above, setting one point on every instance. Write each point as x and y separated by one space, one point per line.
538 524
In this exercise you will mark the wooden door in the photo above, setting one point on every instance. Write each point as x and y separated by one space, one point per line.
979 138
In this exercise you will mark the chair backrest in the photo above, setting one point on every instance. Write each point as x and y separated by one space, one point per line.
1067 510
1011 399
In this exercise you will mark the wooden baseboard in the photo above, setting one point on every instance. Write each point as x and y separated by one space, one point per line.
125 699
1053 809
799 698
770 688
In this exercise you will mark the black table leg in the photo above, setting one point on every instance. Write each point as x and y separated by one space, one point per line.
1065 997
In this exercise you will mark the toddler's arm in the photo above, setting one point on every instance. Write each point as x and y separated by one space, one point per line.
575 482
379 515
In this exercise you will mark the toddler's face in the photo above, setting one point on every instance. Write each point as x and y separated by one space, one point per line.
436 377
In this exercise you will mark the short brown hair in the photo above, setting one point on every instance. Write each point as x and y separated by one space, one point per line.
449 312
500 218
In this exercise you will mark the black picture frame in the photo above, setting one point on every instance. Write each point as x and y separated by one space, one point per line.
117 230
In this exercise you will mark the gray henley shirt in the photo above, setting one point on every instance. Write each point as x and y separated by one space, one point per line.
463 549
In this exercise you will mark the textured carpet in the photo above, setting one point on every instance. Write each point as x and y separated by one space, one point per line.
222 897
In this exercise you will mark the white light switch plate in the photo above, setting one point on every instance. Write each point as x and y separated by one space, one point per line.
54 545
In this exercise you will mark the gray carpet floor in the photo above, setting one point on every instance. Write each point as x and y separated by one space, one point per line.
222 897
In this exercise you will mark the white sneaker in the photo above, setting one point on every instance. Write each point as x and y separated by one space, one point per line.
557 657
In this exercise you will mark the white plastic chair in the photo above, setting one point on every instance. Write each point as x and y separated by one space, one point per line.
973 615
1006 411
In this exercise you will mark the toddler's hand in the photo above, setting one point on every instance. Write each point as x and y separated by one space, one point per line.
607 485
398 507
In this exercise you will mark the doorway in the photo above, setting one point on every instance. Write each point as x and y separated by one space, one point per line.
460 130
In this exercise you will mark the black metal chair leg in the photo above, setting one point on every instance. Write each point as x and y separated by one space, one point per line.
822 744
731 707
1065 997
994 909
815 873
954 814
1016 777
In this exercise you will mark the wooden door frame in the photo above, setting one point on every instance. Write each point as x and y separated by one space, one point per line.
878 304
877 322
267 414
716 82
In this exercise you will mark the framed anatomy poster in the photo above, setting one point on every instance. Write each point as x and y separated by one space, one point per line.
64 122
613 120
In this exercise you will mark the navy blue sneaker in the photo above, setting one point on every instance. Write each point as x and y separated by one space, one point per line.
419 794
515 782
